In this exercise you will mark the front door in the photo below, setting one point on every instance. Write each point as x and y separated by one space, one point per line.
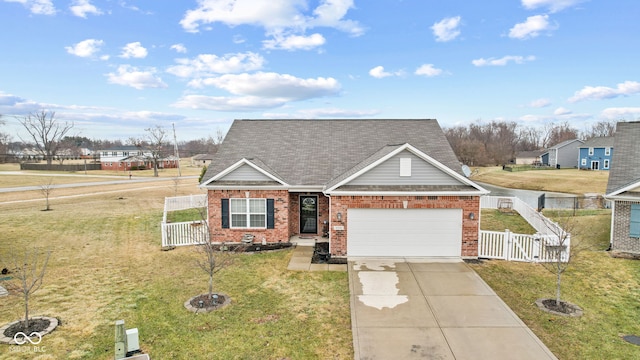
595 165
308 214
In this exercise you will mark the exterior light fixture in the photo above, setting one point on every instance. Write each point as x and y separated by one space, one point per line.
472 216
339 216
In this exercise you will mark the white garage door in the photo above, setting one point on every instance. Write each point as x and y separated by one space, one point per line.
404 232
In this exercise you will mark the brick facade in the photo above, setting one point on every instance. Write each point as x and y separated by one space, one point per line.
621 222
468 204
280 233
287 215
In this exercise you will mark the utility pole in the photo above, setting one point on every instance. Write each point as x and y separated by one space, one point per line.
176 153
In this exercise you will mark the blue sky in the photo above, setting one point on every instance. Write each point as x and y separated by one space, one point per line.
116 67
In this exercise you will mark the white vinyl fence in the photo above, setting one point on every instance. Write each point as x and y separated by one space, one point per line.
188 232
540 247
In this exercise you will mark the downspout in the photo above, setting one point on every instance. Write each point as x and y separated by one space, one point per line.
329 220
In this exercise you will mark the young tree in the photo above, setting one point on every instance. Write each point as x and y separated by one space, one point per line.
46 131
211 257
46 190
560 250
28 271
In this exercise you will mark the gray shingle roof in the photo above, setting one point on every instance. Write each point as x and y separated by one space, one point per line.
625 163
598 142
313 152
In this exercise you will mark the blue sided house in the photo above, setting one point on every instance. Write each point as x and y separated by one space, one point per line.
596 153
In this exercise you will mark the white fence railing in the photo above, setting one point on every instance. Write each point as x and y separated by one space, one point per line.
188 232
183 203
540 247
184 233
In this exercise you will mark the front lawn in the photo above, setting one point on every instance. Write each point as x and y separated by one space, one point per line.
107 265
607 289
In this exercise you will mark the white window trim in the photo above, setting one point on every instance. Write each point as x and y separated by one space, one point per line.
590 151
607 151
605 164
247 214
584 162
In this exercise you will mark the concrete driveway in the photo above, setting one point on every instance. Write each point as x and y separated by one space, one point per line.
411 309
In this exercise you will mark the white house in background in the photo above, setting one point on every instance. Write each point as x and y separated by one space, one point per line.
125 158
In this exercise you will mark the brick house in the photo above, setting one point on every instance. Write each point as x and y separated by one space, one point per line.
126 158
623 189
374 187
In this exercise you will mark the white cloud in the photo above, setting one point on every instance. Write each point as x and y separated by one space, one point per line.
277 17
85 48
428 70
552 5
622 113
130 76
446 29
540 103
209 64
81 8
295 42
322 113
38 7
221 103
603 92
378 72
562 111
531 28
274 85
502 61
179 48
134 50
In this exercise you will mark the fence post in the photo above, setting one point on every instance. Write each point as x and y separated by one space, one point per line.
507 245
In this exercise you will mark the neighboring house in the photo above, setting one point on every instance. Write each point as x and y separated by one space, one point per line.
125 158
596 153
375 187
562 155
623 189
201 160
528 157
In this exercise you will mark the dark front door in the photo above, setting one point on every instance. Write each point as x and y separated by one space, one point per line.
308 214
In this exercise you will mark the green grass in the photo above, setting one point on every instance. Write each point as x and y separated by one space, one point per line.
106 265
494 220
186 215
607 289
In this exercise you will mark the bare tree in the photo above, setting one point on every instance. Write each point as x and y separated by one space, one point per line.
211 257
600 129
28 271
5 139
46 131
46 190
157 138
560 249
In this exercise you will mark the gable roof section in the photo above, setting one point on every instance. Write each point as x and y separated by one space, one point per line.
624 174
565 143
598 142
258 173
313 152
453 180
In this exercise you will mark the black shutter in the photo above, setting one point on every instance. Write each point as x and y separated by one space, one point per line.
270 214
225 213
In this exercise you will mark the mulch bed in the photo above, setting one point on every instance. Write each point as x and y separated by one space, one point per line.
208 303
321 255
563 308
35 325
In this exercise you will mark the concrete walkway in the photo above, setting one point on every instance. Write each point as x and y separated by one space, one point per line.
301 259
433 310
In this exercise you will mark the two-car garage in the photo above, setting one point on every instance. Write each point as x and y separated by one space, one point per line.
404 232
